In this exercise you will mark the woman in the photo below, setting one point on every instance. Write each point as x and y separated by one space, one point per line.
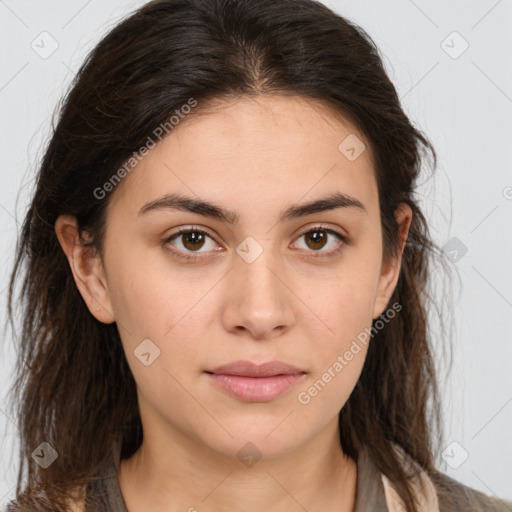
224 276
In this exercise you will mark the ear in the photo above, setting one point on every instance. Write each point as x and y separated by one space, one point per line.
87 269
390 271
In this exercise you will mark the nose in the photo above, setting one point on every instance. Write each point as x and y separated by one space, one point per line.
258 299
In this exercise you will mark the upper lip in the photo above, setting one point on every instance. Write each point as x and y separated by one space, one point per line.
249 369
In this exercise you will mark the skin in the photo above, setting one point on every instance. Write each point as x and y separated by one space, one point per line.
255 157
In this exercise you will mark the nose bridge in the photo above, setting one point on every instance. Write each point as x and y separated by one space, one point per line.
259 301
256 267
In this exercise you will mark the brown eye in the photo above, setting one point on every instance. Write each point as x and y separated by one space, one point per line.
189 240
318 238
192 240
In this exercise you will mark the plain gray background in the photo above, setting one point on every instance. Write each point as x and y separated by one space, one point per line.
450 62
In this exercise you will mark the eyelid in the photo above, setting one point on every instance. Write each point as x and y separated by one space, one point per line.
190 228
324 227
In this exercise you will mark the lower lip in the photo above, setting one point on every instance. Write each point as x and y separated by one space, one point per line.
255 389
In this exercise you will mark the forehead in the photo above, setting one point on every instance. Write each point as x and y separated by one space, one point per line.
254 151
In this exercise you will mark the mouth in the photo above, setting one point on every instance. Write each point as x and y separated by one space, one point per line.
255 383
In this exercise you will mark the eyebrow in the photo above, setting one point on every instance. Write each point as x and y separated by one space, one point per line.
208 209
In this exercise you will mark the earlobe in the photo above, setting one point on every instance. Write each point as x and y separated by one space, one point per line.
391 271
87 269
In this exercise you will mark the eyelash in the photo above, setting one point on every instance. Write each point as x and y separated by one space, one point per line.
192 229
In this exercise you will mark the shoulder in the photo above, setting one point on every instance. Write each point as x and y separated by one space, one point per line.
454 496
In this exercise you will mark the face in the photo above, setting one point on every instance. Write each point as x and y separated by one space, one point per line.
251 285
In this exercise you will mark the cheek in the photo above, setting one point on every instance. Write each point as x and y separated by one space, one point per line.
345 300
155 300
338 353
345 316
330 388
152 295
339 342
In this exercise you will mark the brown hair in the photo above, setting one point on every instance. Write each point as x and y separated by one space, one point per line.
74 387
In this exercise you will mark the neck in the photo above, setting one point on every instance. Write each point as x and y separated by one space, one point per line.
187 476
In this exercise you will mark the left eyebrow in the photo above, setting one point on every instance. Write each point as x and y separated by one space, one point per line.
208 209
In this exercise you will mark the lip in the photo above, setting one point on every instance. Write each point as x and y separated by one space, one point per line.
250 369
255 383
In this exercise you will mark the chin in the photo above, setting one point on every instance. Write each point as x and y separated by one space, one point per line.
261 441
